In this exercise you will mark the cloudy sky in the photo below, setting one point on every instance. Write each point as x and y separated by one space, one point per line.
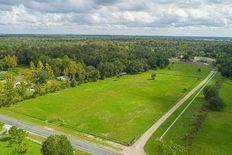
117 17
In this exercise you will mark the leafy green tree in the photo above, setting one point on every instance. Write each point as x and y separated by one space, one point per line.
22 89
211 94
92 74
23 147
215 103
10 62
73 69
153 76
49 70
17 136
40 65
9 91
81 74
210 91
57 145
40 76
32 65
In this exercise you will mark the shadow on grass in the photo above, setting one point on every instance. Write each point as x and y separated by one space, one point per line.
4 139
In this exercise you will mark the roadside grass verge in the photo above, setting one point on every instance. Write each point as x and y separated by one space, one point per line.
34 148
215 135
183 125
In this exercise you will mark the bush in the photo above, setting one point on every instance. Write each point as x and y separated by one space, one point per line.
211 94
170 148
57 145
73 83
1 125
153 76
2 75
215 103
210 91
198 120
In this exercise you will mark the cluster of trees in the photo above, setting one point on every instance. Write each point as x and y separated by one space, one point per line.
78 62
197 122
211 94
110 56
213 102
225 65
107 57
53 145
82 60
8 62
18 140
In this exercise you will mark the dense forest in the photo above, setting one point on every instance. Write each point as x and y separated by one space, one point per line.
111 55
89 58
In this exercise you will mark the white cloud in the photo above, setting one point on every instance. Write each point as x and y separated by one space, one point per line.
121 15
17 15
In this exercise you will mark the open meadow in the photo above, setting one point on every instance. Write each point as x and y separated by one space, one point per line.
116 109
214 137
5 149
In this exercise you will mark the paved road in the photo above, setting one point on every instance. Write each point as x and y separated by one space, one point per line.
78 144
138 147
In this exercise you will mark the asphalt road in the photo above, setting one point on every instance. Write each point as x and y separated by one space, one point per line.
78 144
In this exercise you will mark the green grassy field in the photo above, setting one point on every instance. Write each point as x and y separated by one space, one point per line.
181 127
213 138
119 110
34 148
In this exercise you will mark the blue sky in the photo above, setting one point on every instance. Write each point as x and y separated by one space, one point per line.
117 17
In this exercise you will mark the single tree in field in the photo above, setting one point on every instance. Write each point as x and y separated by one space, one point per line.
153 76
57 145
32 65
199 70
40 65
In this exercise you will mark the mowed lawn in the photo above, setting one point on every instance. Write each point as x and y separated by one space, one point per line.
119 110
215 137
5 149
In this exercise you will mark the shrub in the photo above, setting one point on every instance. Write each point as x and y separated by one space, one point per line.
210 91
170 148
57 145
215 103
